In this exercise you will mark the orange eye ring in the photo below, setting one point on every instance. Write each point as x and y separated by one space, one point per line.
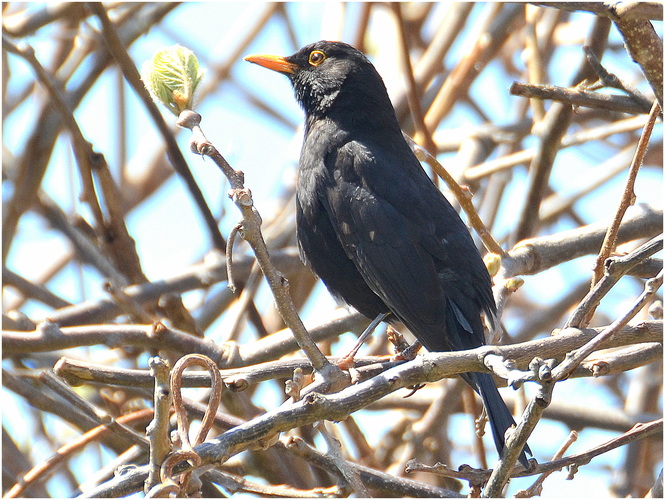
316 57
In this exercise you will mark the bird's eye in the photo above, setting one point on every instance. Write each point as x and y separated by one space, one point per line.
316 57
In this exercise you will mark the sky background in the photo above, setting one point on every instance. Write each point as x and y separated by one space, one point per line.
169 233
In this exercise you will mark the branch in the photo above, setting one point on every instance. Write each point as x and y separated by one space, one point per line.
572 139
635 10
516 440
614 269
535 255
212 270
475 476
43 470
379 481
51 338
562 371
314 407
580 97
645 47
251 232
158 429
109 220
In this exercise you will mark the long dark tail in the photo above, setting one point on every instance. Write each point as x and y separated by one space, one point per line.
461 333
497 411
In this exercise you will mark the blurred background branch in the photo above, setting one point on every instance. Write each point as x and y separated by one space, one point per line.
109 260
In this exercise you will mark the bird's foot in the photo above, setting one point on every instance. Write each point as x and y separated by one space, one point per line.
347 361
404 351
413 389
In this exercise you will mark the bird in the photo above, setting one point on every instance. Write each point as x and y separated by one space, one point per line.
370 222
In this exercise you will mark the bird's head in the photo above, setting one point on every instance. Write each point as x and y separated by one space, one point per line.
328 76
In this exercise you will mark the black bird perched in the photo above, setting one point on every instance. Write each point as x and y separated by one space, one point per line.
370 222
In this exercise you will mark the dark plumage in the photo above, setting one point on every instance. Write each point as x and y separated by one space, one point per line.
370 222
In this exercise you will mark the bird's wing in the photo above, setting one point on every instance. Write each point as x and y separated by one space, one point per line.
389 224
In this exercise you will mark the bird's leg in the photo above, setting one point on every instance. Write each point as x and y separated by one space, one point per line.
347 361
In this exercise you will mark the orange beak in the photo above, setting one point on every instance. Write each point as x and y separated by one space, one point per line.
275 63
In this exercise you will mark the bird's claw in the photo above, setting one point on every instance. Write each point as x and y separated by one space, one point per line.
413 390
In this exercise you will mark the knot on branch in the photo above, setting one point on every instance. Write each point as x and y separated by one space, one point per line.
188 119
313 399
598 368
236 384
241 196
506 369
49 329
230 355
542 369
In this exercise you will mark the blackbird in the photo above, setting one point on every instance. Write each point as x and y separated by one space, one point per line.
370 222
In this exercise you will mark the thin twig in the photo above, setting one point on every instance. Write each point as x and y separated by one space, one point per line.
413 95
335 453
580 97
72 398
572 139
376 479
564 370
43 470
516 440
638 431
121 246
536 488
627 199
607 79
615 268
229 256
158 430
251 224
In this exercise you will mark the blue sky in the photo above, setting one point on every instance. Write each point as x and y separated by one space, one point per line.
169 233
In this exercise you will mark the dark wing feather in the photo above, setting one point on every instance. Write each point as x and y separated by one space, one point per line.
408 244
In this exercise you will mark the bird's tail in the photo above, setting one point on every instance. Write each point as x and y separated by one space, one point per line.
499 416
